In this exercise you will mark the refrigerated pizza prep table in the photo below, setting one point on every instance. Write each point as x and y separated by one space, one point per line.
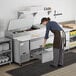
27 42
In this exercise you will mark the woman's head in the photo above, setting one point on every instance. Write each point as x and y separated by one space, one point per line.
45 20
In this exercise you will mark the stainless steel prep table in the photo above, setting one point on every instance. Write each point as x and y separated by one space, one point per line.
26 41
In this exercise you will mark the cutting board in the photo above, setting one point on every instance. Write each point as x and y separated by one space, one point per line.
72 26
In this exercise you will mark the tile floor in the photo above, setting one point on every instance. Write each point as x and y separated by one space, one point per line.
65 71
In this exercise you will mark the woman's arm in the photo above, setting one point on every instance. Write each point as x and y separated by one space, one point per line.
44 43
46 35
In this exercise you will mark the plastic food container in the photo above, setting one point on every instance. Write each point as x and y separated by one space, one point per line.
0 47
5 46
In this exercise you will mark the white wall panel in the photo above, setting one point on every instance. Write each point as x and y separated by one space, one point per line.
9 8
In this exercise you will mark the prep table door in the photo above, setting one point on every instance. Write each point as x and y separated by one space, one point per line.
36 43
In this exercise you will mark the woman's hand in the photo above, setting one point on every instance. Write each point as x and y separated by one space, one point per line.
43 45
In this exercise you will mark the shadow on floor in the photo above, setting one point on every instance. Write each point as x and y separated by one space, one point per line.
38 69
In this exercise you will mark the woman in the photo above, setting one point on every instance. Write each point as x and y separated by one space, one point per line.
59 40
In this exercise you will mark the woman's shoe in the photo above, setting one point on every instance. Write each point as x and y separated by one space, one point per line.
54 66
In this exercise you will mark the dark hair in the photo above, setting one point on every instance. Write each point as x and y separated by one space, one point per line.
45 19
48 19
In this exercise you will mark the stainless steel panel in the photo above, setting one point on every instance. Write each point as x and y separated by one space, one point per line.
21 51
34 44
67 36
24 51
